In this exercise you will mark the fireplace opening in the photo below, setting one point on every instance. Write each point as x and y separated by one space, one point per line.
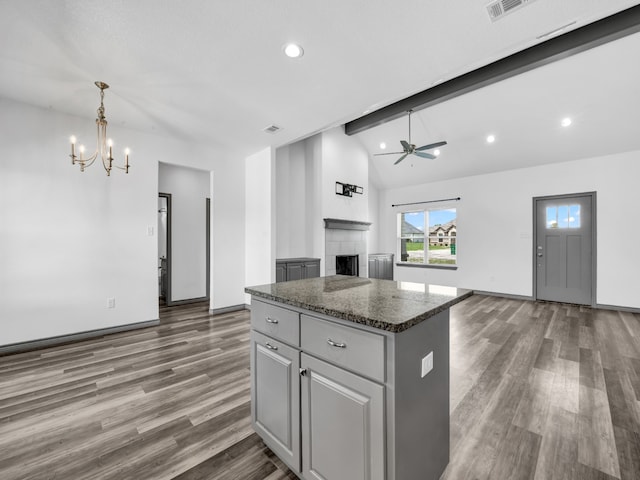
347 265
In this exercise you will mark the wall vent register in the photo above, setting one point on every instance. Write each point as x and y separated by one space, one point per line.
500 8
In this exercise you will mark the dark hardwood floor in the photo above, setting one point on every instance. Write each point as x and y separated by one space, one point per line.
538 391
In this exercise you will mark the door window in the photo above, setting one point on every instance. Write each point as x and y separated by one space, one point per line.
563 216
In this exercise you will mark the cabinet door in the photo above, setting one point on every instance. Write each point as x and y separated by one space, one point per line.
373 268
275 396
281 272
386 268
342 424
312 269
295 271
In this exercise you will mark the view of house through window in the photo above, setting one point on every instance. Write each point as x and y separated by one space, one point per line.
428 236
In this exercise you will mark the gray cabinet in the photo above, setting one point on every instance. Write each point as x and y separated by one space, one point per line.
337 400
288 269
342 423
281 272
381 266
275 396
317 393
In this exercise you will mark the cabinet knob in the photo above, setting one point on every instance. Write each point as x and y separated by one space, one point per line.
336 344
271 320
303 372
270 347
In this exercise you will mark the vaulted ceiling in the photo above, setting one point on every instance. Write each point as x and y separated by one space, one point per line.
214 72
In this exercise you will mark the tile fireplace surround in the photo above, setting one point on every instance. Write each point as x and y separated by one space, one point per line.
345 237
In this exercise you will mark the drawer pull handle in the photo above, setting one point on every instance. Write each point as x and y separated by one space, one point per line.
271 320
334 344
270 347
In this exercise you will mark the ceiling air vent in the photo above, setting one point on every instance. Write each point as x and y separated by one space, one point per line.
272 129
500 8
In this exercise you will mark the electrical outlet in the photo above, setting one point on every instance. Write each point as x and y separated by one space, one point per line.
427 364
111 302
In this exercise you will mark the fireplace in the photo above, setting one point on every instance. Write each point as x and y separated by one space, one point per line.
346 238
347 265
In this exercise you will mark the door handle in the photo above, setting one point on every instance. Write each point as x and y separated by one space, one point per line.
270 347
335 344
271 320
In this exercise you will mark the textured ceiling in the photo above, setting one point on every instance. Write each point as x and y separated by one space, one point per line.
597 89
214 72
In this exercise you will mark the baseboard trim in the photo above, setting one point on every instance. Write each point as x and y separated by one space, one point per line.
503 295
73 337
187 301
524 297
232 308
614 307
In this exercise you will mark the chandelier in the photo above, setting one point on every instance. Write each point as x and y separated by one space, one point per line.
104 148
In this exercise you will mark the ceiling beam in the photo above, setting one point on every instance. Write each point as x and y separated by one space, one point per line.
579 40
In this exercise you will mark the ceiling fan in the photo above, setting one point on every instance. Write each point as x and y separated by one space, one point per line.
409 148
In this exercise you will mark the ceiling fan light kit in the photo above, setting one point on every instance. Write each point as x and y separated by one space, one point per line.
409 148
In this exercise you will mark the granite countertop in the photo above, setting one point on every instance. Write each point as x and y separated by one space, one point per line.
384 304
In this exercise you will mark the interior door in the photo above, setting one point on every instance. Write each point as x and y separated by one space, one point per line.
564 248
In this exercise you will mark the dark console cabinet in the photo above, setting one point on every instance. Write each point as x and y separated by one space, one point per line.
381 266
297 268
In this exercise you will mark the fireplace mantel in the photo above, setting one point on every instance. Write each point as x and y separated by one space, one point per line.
341 224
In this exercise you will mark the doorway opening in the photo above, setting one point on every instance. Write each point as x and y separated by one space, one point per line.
564 250
164 249
208 247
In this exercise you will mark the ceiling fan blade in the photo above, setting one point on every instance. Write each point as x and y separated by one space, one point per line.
401 158
405 145
388 153
425 155
430 146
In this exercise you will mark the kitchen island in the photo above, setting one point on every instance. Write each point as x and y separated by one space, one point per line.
350 376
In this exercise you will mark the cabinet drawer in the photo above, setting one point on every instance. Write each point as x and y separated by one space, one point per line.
357 350
276 322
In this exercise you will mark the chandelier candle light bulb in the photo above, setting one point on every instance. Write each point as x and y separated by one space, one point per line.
102 143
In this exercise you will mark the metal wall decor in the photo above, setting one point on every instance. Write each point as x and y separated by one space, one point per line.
347 190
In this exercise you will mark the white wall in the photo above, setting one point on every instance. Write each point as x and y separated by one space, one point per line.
228 225
70 240
495 225
344 160
292 197
189 189
306 173
374 218
260 226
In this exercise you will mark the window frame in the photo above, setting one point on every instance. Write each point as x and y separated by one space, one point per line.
439 238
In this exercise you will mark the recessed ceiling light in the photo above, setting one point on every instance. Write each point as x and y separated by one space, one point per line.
491 139
436 152
293 50
383 146
566 122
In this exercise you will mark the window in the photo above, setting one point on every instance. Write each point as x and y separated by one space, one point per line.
441 230
563 216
